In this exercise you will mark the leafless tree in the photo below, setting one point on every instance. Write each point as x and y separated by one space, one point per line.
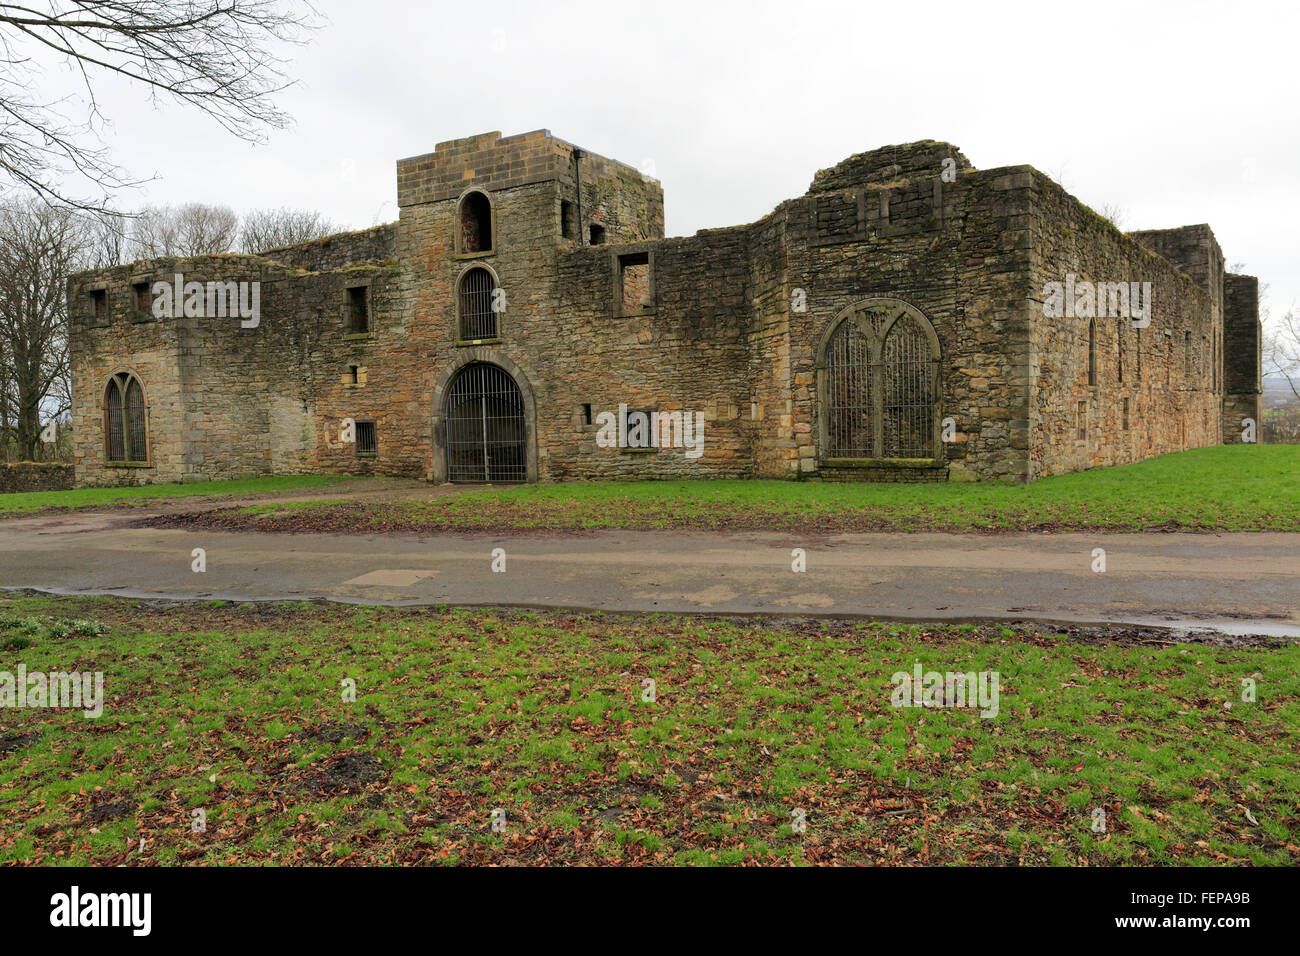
40 246
1282 350
191 229
265 229
220 56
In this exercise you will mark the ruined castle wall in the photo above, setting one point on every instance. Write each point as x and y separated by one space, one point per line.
685 351
1242 338
1164 373
123 339
374 246
957 251
223 401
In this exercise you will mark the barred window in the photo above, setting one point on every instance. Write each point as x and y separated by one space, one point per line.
478 317
367 443
126 435
881 385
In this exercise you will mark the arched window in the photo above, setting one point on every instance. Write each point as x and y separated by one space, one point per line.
1092 351
474 224
126 437
476 301
880 384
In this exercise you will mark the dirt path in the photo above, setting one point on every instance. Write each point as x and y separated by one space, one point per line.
1241 583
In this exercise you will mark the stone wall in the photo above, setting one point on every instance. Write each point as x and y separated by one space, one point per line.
728 323
23 476
1243 340
1154 389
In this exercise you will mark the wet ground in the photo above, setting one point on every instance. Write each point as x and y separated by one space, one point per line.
1241 583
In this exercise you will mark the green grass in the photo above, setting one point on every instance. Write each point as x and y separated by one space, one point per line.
1232 488
25 502
237 710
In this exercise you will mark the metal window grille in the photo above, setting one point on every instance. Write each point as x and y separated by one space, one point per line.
486 430
136 438
907 425
849 372
477 318
367 443
116 446
882 395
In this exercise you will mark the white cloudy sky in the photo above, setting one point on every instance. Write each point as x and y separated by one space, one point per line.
1177 112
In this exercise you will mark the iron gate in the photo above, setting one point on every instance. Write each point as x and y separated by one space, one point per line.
486 431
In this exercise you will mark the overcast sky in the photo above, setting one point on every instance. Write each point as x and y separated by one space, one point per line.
1181 114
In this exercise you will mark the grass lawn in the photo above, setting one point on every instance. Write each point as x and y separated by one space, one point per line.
237 710
25 502
1230 488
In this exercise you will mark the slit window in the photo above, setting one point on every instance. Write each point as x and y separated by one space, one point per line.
586 413
1081 420
367 443
636 290
1092 352
99 302
354 375
474 226
143 297
476 301
1124 422
568 220
358 310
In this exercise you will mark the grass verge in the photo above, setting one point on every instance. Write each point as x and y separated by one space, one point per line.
1232 488
27 502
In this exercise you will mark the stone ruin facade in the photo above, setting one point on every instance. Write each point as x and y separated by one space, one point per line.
902 320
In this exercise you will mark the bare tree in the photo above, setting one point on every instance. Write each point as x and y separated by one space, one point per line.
265 229
40 246
108 239
217 55
192 229
1282 350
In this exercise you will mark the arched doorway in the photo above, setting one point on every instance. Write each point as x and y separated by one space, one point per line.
487 429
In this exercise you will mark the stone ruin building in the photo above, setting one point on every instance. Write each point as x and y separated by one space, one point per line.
896 322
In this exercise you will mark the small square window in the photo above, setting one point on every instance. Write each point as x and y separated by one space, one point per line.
597 234
358 310
367 443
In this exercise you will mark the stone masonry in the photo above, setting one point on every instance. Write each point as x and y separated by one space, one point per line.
360 359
